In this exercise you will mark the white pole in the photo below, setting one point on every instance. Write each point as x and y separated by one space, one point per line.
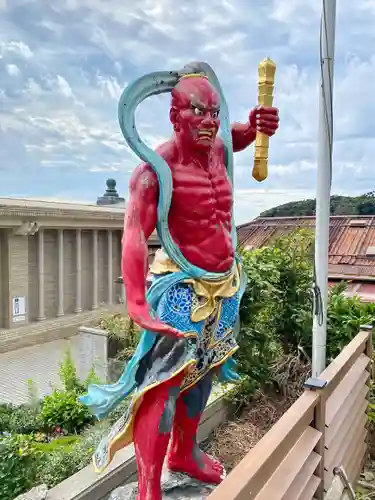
324 182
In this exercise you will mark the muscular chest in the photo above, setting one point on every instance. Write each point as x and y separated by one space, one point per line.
202 190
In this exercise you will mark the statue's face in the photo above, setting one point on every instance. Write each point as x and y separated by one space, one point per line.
195 112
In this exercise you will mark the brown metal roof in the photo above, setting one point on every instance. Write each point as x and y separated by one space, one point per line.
349 240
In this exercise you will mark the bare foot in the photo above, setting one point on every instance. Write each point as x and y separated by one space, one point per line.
198 465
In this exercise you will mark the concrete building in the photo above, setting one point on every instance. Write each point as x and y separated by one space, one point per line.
59 262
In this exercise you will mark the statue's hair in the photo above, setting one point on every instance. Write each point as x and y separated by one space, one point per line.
193 68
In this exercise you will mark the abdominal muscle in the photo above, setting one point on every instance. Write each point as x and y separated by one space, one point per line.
209 248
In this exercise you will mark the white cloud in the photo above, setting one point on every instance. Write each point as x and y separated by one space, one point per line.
59 97
16 47
13 69
63 86
110 86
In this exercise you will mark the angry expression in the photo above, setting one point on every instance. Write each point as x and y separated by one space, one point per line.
195 112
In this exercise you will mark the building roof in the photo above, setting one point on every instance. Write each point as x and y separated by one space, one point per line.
351 241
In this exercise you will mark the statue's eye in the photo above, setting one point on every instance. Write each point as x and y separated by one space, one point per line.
198 111
215 114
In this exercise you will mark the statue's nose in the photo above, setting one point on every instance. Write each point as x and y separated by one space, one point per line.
208 120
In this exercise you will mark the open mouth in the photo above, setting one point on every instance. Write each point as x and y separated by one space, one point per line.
206 134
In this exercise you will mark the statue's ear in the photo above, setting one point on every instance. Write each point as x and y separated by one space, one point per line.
174 118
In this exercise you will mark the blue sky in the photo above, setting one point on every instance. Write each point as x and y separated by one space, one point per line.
64 63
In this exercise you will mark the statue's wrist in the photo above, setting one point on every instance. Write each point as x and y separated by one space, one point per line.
251 131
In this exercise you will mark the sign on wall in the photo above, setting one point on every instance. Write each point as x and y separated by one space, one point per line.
19 309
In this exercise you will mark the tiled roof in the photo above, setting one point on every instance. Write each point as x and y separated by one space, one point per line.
350 240
366 290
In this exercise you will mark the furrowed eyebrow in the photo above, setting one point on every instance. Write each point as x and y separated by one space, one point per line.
200 106
197 104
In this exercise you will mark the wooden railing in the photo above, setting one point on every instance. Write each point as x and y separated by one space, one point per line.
325 428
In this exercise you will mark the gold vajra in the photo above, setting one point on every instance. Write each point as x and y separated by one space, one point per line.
266 81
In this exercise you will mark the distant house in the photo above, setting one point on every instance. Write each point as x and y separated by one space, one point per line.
351 247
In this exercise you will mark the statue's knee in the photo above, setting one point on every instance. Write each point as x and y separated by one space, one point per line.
196 398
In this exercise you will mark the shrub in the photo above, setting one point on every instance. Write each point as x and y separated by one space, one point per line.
68 375
62 443
21 419
63 409
276 310
25 420
63 462
290 308
18 465
123 335
120 410
345 316
5 415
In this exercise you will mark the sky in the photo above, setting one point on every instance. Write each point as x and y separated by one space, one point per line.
64 64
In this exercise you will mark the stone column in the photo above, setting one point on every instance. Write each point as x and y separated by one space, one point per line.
14 279
123 296
78 308
110 267
95 269
41 312
60 272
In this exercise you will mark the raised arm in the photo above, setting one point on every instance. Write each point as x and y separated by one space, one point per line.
265 120
140 222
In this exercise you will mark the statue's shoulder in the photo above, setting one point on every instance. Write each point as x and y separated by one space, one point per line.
168 151
145 175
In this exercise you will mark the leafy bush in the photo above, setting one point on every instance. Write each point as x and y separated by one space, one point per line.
345 316
62 443
120 410
63 462
68 375
25 420
20 419
63 409
123 335
18 465
5 415
291 308
30 456
276 310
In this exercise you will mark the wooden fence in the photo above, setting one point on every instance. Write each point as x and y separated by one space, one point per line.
325 428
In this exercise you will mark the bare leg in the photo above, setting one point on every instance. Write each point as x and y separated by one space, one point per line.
185 455
152 428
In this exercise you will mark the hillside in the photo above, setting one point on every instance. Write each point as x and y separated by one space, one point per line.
340 205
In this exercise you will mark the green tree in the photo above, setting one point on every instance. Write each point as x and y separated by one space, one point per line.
340 205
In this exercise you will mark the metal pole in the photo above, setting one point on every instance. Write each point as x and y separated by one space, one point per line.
324 173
